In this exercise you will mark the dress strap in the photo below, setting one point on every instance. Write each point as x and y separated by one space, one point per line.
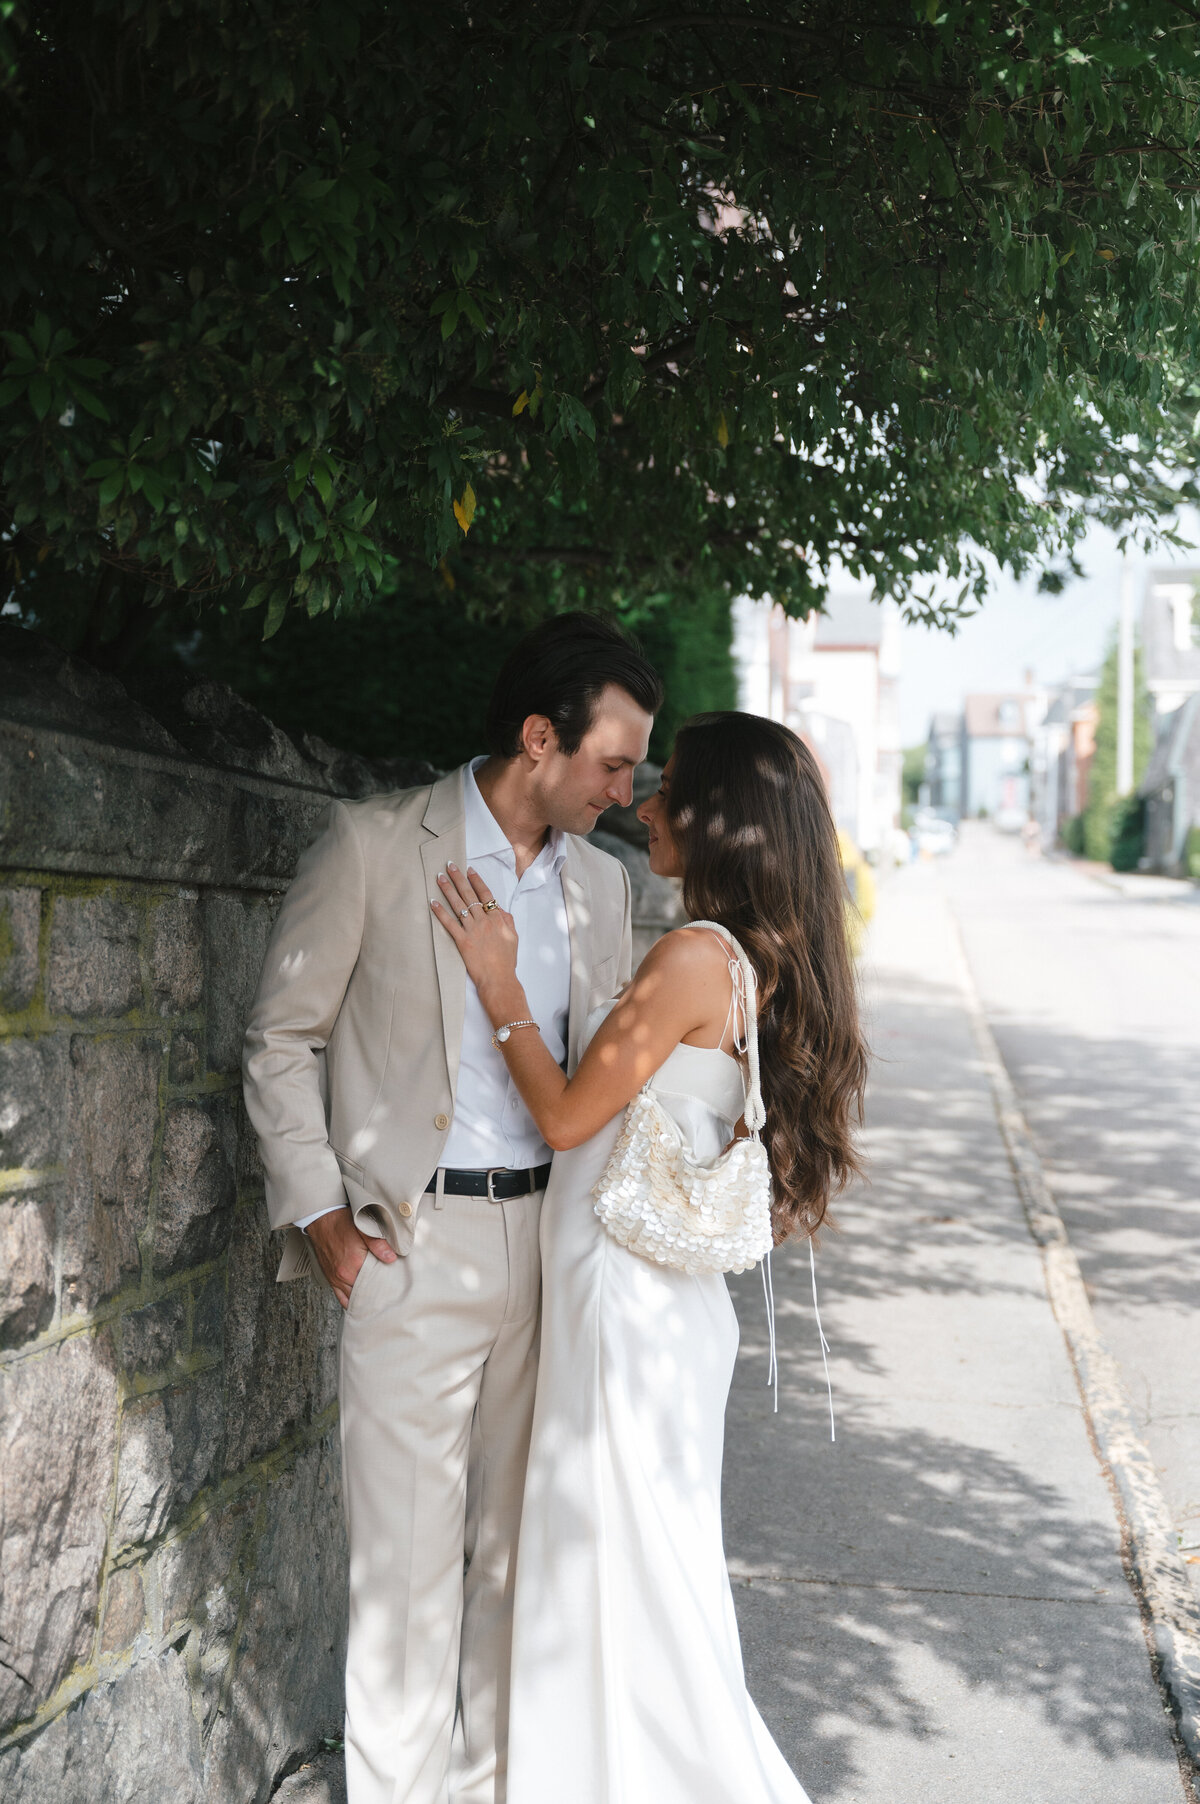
745 996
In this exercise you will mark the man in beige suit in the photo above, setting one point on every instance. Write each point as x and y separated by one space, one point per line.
408 1176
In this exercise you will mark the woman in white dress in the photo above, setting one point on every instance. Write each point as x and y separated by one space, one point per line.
627 1678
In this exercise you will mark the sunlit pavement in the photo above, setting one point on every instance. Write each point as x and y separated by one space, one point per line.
933 1608
1092 987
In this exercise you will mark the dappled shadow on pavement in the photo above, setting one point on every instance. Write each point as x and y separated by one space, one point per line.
957 1537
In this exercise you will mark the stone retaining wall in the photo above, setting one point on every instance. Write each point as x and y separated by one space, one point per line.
172 1584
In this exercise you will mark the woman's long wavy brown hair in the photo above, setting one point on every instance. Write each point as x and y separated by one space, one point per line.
749 815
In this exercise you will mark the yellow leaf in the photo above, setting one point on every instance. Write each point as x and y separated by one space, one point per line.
446 574
521 402
722 431
1041 322
1107 255
464 510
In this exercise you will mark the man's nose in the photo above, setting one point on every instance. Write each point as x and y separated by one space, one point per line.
622 790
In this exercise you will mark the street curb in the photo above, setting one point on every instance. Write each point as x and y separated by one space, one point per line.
1155 1569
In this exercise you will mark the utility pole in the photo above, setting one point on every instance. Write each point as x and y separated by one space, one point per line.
1125 684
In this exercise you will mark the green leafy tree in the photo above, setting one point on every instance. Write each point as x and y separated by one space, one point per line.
1111 825
300 303
912 773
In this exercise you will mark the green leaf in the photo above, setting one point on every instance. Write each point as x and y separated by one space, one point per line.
276 609
41 395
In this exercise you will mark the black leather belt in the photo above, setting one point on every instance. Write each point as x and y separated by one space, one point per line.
498 1185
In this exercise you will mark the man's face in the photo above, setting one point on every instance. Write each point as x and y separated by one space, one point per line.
573 791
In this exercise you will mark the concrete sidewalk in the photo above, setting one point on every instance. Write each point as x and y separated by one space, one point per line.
934 1607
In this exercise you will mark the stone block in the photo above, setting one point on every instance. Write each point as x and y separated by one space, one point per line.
287 1689
133 1739
208 1315
187 1058
170 1443
197 1188
154 1336
202 1581
93 966
31 1099
26 1265
250 1174
176 956
53 1509
113 1110
145 1481
20 922
195 1425
202 1575
280 1345
321 1780
236 930
124 1610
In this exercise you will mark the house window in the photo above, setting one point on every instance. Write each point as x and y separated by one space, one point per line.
1181 599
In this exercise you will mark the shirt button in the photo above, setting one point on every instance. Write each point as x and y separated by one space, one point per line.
405 1209
441 1122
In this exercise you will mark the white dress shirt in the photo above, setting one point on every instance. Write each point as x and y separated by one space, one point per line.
491 1125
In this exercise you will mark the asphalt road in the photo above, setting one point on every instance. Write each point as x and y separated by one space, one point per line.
1093 994
933 1607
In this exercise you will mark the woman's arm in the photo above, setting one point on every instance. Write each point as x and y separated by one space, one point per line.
681 988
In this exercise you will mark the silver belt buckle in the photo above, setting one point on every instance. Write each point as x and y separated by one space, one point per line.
492 1170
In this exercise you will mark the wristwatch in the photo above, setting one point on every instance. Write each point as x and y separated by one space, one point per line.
503 1033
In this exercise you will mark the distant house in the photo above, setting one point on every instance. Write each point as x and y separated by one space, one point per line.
1061 749
833 679
996 735
1171 791
1171 663
1171 639
942 788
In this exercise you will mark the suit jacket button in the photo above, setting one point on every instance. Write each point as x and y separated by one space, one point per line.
441 1122
405 1209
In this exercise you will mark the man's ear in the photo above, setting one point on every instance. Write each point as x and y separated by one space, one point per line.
538 736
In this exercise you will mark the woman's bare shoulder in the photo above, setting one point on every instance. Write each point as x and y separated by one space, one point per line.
687 951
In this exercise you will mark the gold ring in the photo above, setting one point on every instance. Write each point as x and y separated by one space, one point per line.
488 906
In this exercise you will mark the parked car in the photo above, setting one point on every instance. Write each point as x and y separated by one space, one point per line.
932 835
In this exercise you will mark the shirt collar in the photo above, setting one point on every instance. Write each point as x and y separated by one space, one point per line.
486 838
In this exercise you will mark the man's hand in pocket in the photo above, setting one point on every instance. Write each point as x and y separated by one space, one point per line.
341 1249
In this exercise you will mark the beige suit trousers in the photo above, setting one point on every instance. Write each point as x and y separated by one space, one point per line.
437 1375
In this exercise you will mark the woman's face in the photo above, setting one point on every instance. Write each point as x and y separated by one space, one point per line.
664 854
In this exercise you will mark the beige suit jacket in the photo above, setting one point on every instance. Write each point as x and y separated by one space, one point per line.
351 1053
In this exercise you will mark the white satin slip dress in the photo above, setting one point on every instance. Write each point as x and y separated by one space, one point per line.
627 1677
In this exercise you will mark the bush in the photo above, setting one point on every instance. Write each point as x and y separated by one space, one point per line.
1191 852
1127 832
1072 835
411 676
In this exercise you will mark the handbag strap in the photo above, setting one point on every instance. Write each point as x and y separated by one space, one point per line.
745 992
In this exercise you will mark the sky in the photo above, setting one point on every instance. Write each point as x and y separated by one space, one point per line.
1017 630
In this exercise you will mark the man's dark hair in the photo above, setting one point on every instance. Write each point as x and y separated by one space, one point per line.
560 670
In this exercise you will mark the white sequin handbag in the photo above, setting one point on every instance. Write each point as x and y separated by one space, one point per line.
696 1215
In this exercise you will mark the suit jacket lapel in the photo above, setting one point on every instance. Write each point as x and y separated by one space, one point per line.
579 926
443 818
